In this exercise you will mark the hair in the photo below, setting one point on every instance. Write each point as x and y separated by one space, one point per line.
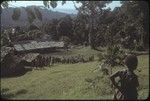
131 61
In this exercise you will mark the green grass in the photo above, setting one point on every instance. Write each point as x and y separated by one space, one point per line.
69 81
86 51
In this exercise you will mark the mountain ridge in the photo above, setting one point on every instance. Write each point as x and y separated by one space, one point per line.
47 15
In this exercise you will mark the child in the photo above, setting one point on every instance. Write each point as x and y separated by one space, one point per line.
127 90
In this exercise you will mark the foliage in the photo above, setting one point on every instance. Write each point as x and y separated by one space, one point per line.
4 4
139 48
51 28
89 8
97 26
92 9
138 10
100 56
16 14
66 40
64 27
80 29
38 13
53 4
114 56
32 27
31 15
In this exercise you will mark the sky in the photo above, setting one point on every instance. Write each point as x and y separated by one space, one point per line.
66 8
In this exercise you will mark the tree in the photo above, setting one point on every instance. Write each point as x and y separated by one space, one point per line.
138 10
32 13
38 13
16 14
89 8
92 9
64 27
51 28
80 29
4 4
129 20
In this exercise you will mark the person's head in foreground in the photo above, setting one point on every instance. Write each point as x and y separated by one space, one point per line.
127 89
131 62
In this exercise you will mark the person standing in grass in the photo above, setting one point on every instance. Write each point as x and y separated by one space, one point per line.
128 82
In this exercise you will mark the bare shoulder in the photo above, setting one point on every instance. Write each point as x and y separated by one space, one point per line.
117 73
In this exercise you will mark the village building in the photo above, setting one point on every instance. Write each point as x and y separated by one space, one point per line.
36 46
14 60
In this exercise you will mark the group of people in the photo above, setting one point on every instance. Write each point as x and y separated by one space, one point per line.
42 61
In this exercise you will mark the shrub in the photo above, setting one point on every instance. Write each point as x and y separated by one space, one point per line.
139 48
114 56
65 39
100 56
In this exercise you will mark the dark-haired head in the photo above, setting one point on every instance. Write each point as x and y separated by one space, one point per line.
131 62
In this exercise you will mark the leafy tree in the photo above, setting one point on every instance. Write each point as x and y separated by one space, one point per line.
137 15
130 21
64 27
92 9
31 15
80 29
52 4
4 4
51 28
89 8
16 14
66 41
38 13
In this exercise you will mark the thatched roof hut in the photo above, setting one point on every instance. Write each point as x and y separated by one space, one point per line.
35 45
5 50
30 57
13 65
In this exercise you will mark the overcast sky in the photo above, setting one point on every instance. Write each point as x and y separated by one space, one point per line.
67 8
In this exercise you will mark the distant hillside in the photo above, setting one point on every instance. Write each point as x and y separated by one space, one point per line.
7 21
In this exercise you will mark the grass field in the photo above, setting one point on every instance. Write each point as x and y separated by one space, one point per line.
70 81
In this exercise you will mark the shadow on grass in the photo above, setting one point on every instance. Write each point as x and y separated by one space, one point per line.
22 91
6 95
14 74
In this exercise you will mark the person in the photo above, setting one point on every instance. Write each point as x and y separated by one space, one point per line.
127 85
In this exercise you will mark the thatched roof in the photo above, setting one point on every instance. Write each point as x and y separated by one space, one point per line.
34 45
30 57
5 50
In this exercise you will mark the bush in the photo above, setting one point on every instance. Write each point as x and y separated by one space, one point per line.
65 39
114 56
139 48
100 56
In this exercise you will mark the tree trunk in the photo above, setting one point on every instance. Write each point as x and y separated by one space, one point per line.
141 37
91 39
90 36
